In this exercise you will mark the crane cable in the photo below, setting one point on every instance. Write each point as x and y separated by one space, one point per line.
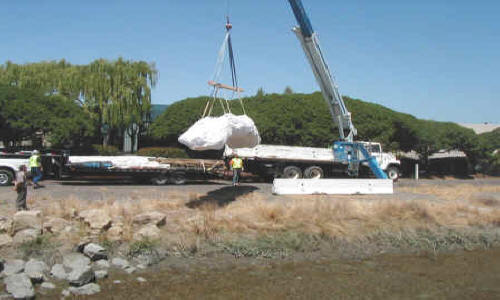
214 96
216 76
232 65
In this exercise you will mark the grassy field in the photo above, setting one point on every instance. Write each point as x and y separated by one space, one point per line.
429 217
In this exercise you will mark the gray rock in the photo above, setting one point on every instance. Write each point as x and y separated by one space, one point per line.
117 281
130 269
95 252
66 293
48 285
55 225
82 243
26 235
147 232
58 272
14 266
102 264
120 263
96 219
5 239
147 259
36 269
115 232
75 261
100 274
5 225
141 266
19 286
81 276
141 279
152 217
88 289
27 219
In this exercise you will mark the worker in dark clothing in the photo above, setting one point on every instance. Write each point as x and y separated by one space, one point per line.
21 187
36 168
237 165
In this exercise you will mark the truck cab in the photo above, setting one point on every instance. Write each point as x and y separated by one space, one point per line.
387 161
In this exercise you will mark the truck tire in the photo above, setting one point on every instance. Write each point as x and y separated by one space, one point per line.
314 172
392 172
178 178
159 180
6 177
292 172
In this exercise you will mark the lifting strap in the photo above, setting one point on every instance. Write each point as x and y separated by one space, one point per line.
216 94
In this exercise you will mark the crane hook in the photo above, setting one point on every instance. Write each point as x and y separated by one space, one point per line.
228 24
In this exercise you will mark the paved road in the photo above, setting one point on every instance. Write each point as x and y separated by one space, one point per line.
120 190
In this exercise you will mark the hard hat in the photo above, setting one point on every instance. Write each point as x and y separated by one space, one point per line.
35 152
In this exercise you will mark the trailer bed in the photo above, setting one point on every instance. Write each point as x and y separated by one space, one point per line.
143 167
284 153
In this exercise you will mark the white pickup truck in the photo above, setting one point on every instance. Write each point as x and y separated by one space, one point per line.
10 161
8 168
305 162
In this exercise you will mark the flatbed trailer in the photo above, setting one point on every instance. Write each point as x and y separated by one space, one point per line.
156 170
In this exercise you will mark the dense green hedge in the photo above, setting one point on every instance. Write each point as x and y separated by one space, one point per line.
106 150
304 120
490 145
163 152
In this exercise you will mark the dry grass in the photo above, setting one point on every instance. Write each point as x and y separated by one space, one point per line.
342 218
455 192
252 215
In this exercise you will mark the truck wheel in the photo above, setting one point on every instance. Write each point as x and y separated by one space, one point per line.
392 173
159 180
292 172
314 172
178 178
6 177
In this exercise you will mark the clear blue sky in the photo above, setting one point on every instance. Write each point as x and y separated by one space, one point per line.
435 59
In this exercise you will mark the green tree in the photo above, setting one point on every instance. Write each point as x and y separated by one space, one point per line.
489 159
490 141
115 93
305 120
288 90
26 113
260 92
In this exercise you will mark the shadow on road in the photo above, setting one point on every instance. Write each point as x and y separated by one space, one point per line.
222 196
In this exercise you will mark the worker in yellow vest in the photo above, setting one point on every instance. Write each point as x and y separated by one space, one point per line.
237 165
35 164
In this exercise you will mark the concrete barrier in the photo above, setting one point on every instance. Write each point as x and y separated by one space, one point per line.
332 186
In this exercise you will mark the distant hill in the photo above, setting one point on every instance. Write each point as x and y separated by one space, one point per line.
304 120
157 110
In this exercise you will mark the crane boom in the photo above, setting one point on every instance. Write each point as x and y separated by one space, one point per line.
347 150
310 44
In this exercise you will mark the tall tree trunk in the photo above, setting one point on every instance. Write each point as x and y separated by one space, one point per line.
105 139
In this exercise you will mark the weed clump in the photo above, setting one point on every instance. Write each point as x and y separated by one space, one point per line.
41 246
142 247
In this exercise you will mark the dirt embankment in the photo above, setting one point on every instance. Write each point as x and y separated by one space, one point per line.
215 225
247 221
